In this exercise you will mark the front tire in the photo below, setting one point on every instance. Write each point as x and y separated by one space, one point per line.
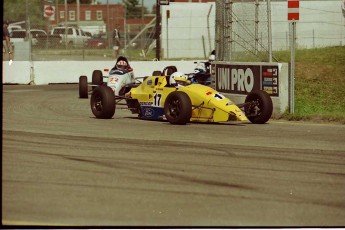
178 108
259 107
83 87
103 102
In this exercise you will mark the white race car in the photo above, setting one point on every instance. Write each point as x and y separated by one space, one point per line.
119 76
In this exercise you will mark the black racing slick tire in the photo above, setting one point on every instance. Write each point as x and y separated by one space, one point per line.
83 87
157 73
97 78
103 102
258 107
178 108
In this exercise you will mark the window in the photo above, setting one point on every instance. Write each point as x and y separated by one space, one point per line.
87 15
99 15
71 15
18 34
62 14
36 33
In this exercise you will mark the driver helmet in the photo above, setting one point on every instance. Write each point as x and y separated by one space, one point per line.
211 58
179 79
122 64
200 68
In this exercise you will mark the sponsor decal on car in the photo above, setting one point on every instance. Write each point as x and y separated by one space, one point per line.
149 112
114 79
146 103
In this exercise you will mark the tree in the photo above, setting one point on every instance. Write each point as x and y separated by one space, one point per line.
81 1
19 10
154 9
133 10
16 11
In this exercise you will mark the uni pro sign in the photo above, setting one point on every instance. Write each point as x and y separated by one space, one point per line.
242 79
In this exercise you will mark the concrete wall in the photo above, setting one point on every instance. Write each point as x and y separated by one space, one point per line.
46 72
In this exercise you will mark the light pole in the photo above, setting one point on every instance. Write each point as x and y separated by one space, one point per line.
66 24
78 12
124 25
158 30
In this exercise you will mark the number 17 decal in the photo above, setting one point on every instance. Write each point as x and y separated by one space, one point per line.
157 99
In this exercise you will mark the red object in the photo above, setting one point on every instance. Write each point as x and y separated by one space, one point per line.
293 16
293 4
48 11
267 74
97 41
293 10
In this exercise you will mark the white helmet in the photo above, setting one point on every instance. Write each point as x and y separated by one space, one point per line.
212 57
200 68
178 79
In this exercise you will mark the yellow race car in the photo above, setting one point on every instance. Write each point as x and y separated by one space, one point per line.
161 98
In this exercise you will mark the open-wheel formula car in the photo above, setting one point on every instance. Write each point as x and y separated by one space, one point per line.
157 99
119 76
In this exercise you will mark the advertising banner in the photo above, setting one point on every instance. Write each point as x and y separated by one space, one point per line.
242 79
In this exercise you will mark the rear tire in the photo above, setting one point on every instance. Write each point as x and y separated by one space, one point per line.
103 102
260 107
157 73
97 78
178 108
83 87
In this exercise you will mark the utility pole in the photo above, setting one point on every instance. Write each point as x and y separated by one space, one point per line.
78 12
269 30
66 24
158 30
142 24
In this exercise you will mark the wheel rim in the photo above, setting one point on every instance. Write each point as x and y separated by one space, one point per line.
174 108
254 108
98 106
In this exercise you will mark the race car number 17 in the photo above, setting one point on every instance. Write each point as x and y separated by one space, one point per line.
157 99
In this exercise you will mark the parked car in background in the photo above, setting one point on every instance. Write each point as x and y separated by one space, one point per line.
88 34
12 27
20 35
99 41
73 37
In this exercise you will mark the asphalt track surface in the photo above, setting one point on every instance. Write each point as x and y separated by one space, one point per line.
62 166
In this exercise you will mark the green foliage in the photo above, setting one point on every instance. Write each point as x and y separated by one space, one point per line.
80 1
134 9
319 83
19 10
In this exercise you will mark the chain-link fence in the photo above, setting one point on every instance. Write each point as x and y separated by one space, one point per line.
73 43
85 32
237 29
242 30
